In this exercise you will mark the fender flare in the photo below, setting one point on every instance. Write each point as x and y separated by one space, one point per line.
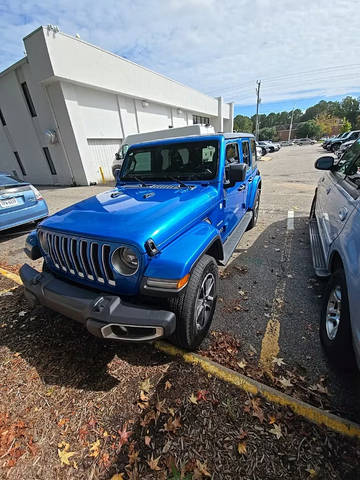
255 185
178 258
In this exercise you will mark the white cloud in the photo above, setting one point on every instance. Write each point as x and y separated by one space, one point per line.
220 48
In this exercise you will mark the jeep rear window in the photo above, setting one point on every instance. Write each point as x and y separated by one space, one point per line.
186 161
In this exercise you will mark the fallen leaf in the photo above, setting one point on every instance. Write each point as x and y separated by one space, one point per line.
202 468
146 385
313 473
133 457
117 476
75 465
64 454
172 412
94 448
172 425
242 448
241 292
124 436
193 399
276 431
153 463
143 396
62 422
147 440
242 364
160 406
151 415
167 385
278 361
285 382
319 388
272 419
201 395
22 313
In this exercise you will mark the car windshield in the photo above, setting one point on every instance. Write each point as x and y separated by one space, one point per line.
186 161
7 180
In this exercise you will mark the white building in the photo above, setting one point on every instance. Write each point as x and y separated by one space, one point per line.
66 106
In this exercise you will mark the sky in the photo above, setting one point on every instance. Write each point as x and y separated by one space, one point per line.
301 51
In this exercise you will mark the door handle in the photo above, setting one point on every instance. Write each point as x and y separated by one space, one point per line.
343 213
328 190
240 189
251 179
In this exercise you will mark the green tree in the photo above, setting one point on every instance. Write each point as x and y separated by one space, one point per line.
308 129
349 108
327 123
267 133
242 123
346 126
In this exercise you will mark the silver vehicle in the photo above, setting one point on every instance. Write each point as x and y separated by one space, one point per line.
335 242
344 148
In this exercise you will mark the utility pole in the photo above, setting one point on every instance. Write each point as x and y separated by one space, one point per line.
291 123
258 100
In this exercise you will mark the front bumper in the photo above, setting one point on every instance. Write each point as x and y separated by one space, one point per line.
105 316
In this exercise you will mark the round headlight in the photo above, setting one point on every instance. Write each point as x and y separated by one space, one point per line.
125 261
43 242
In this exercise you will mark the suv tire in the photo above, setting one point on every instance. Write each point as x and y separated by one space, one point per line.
195 307
335 326
255 210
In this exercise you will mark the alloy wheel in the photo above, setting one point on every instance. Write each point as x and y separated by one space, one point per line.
333 312
204 301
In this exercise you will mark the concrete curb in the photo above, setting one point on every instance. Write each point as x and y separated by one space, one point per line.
11 276
311 413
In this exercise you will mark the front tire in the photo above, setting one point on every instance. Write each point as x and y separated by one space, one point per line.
195 307
335 326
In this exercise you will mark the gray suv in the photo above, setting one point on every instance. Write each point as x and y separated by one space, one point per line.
335 242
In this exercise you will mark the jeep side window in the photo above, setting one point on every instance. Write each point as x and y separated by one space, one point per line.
246 152
232 153
253 150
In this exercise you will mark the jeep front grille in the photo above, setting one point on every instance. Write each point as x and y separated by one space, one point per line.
82 258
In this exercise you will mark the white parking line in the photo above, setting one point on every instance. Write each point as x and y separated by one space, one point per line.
290 220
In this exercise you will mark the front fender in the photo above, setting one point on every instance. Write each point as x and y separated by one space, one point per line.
253 187
178 258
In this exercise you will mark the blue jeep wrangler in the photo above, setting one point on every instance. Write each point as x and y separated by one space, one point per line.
139 262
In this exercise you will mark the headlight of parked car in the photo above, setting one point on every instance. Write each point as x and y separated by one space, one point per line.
43 241
125 261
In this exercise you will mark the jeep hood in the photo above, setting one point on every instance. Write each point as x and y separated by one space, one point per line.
134 214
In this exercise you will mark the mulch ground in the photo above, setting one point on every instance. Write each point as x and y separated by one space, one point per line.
74 407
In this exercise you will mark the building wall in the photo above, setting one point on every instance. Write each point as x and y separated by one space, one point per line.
92 100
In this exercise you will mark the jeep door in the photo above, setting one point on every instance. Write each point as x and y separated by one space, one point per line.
337 196
233 194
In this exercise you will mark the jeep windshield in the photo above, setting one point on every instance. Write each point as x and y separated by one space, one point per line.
172 162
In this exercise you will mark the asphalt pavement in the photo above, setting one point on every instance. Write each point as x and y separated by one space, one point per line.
269 296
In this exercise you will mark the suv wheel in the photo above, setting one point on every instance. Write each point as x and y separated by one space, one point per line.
255 210
194 309
335 327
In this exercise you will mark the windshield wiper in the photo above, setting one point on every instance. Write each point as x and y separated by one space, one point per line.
138 179
177 180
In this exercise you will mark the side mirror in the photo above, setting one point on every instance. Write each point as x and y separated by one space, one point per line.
324 163
117 174
236 172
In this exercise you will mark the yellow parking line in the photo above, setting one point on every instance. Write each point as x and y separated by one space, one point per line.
311 413
11 276
270 343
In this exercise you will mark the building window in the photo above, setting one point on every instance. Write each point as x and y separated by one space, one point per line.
28 99
49 161
198 119
23 171
2 118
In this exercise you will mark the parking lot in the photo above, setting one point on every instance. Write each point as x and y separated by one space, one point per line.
266 322
270 299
